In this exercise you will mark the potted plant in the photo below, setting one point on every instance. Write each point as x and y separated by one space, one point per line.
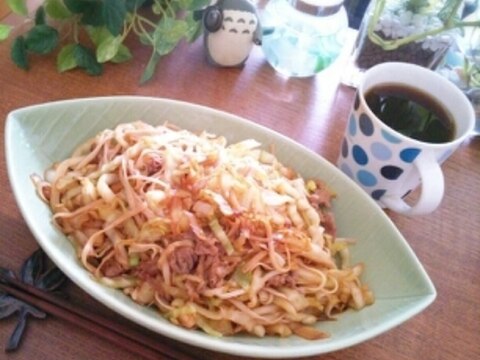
89 33
415 31
461 65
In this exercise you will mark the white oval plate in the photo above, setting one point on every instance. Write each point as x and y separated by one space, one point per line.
38 135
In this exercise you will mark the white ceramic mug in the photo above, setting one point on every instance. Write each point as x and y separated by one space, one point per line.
387 164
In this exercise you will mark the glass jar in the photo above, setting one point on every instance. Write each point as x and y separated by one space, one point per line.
303 37
410 31
392 21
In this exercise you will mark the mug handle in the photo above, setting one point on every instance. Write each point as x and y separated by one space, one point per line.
432 183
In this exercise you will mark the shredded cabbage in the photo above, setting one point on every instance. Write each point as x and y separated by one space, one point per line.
219 237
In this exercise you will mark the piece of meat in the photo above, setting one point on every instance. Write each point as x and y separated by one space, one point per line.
328 222
147 269
281 280
153 164
321 197
214 266
216 272
205 248
183 260
321 200
112 268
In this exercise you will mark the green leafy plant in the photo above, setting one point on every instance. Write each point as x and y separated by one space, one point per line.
448 15
86 34
471 73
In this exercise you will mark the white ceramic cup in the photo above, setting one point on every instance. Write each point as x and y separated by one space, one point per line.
387 164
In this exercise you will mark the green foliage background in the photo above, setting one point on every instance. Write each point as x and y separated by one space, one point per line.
105 24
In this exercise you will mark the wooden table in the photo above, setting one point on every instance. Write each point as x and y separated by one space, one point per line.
311 111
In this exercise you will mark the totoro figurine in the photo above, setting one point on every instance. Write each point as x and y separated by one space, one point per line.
231 28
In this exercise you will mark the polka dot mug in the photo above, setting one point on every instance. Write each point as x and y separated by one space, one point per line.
387 164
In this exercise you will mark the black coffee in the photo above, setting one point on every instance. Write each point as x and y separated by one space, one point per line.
411 112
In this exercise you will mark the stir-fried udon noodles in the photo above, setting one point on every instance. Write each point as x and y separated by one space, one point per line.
218 237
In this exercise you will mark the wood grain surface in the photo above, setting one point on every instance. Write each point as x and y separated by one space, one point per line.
311 111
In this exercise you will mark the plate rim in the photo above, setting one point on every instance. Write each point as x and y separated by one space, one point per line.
184 335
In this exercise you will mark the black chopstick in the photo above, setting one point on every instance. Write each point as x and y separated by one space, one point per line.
117 333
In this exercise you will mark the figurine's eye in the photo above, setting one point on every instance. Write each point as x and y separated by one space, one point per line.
213 19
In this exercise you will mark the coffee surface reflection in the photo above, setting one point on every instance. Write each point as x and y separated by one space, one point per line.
411 112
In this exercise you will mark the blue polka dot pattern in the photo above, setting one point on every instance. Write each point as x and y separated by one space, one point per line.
346 169
377 194
409 154
352 125
366 178
376 157
390 138
391 172
366 125
344 148
380 151
359 155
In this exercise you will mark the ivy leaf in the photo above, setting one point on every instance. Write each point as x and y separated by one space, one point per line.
18 53
41 39
87 60
40 16
195 4
114 12
18 6
168 33
192 4
5 31
123 54
184 4
66 58
145 39
194 28
165 48
76 6
151 66
93 14
173 30
108 48
165 38
98 34
56 9
91 11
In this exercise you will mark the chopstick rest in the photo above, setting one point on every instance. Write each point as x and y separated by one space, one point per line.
38 302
